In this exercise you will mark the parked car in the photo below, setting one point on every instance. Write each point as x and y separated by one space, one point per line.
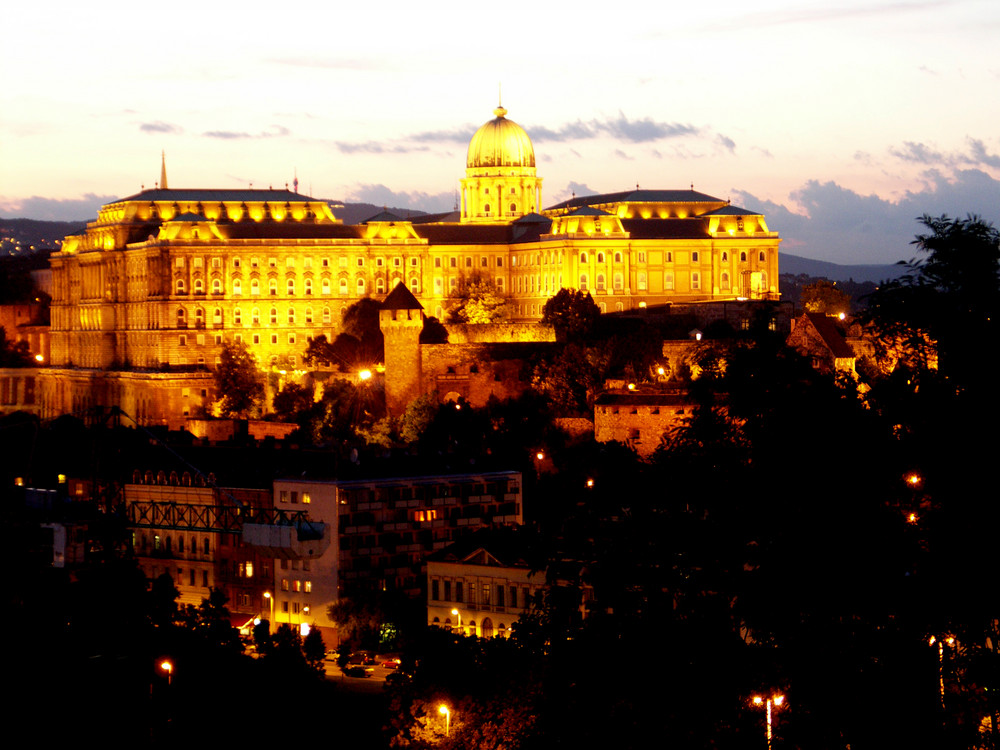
358 671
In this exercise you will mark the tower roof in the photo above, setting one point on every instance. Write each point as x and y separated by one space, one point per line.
401 298
501 143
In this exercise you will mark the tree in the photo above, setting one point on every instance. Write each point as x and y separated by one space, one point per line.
361 320
239 381
13 353
823 296
572 313
477 301
951 297
314 650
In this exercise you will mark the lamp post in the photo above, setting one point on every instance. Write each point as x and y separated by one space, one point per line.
950 640
270 600
776 701
443 709
459 615
167 666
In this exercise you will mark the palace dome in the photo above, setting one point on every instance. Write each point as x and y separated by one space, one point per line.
500 143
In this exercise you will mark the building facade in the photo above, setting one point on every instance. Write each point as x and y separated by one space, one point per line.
162 278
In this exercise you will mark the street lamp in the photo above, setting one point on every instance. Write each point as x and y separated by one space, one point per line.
167 666
459 615
443 709
950 640
776 701
270 600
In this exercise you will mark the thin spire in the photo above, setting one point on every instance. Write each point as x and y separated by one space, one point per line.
499 94
163 170
295 182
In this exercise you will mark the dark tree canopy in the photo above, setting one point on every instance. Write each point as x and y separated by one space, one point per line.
572 313
951 297
239 381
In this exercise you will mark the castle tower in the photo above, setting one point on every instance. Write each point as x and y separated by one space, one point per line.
401 320
500 183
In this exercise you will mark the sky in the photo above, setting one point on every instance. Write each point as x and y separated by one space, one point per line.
842 122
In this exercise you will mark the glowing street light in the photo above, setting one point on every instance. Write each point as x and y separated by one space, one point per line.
443 709
167 666
270 600
365 375
458 614
776 701
950 640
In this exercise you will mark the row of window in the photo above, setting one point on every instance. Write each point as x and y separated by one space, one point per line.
218 317
490 595
272 262
343 287
297 585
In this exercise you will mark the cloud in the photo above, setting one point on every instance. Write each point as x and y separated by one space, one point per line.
917 152
275 131
84 208
160 127
727 143
380 195
834 223
645 130
374 147
622 155
975 154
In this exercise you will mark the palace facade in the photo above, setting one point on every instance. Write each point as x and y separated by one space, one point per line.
143 299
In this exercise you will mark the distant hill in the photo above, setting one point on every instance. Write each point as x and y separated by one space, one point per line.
26 236
355 213
795 266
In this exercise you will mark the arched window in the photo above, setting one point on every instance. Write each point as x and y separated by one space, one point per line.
272 287
618 257
600 282
291 287
274 315
254 286
618 282
199 318
181 287
361 287
486 208
237 316
641 281
743 257
199 286
255 316
308 287
513 207
668 280
487 628
583 257
326 286
343 286
181 317
291 316
415 285
761 257
217 317
600 257
725 257
439 286
583 282
725 281
216 286
237 287
695 280
326 315
379 286
309 315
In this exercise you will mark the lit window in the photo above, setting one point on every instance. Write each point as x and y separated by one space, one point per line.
284 584
307 586
254 286
237 286
306 498
308 287
326 286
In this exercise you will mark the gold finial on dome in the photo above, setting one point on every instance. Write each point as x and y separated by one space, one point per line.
500 111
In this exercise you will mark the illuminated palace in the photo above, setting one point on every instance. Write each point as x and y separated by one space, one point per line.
145 296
